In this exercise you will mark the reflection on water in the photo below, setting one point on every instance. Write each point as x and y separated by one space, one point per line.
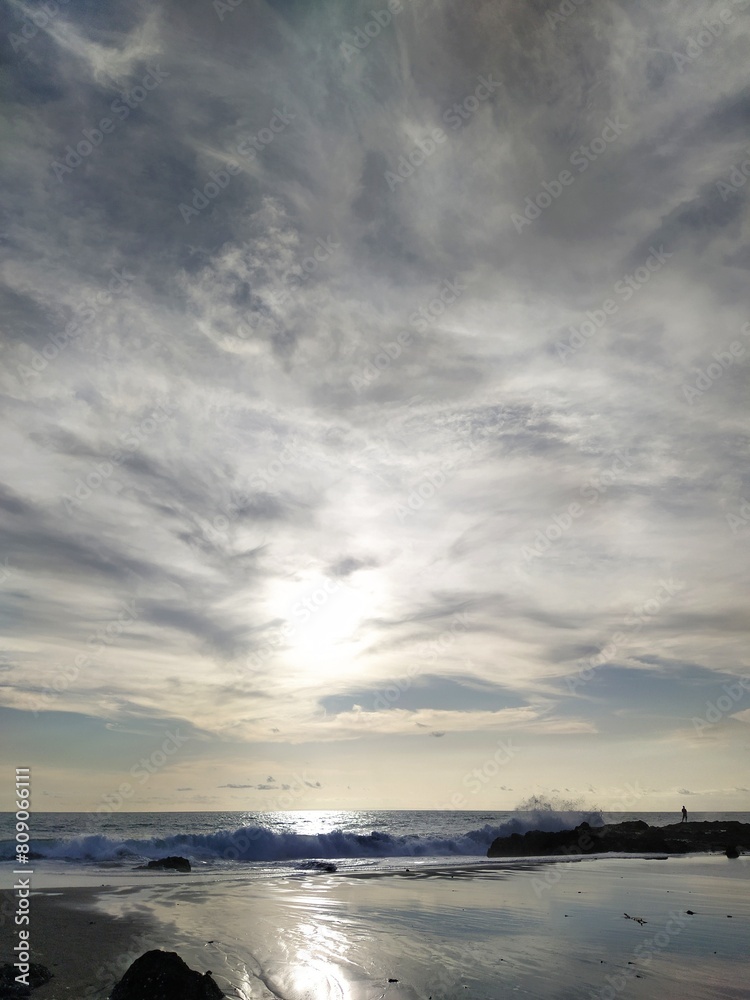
315 968
548 931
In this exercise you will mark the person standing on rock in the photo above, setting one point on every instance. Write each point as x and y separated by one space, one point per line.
684 815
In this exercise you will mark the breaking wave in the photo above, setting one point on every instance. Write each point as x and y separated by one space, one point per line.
258 843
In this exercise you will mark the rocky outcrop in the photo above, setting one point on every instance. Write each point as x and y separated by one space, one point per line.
634 837
12 990
162 975
173 862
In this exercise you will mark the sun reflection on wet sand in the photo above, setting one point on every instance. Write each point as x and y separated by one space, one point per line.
450 932
314 969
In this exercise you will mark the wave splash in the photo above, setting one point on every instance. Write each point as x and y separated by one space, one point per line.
258 843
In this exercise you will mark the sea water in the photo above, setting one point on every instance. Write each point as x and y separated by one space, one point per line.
267 841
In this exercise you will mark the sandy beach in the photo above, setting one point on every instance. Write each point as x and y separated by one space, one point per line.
84 947
486 931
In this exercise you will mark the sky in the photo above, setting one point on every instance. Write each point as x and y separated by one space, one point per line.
373 402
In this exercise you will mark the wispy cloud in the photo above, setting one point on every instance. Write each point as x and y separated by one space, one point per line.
291 537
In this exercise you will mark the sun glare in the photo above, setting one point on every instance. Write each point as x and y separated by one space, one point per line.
323 619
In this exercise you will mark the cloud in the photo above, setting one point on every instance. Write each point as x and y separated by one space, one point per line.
345 567
326 413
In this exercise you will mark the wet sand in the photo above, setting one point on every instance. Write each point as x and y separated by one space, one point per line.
86 949
543 930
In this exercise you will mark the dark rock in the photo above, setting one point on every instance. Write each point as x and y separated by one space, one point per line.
318 866
732 851
162 975
11 990
634 837
173 862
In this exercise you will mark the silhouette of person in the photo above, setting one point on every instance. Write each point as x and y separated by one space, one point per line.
684 815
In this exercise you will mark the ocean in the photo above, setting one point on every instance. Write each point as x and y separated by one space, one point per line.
272 841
